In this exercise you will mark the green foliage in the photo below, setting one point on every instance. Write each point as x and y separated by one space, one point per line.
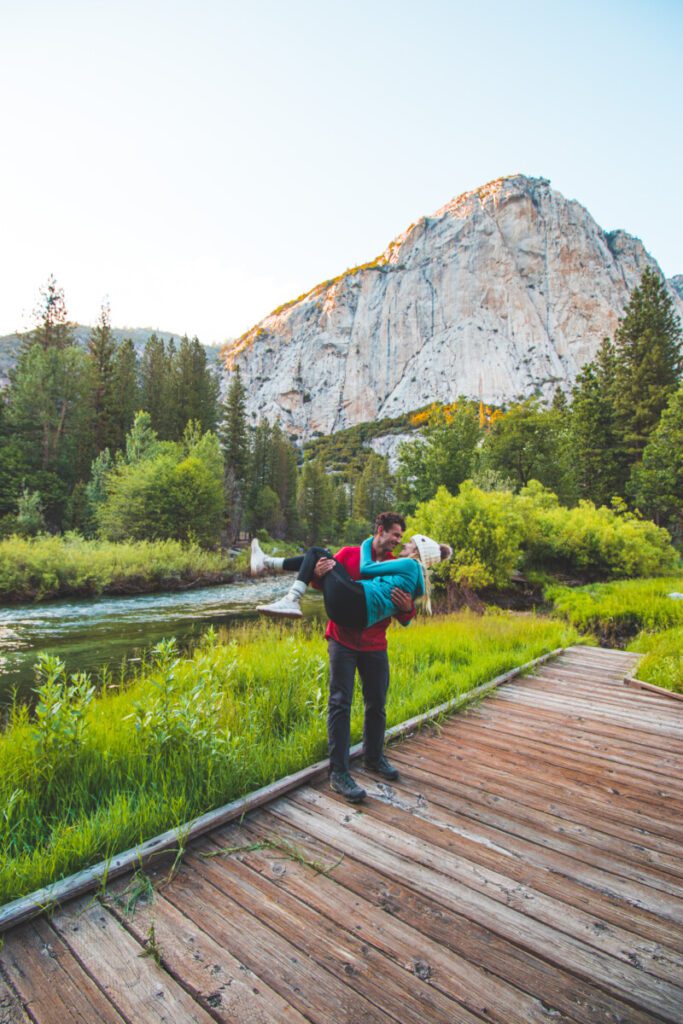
663 661
483 528
315 503
444 455
44 567
621 609
374 491
193 733
657 482
597 459
29 518
494 533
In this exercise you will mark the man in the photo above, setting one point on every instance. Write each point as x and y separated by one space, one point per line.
364 650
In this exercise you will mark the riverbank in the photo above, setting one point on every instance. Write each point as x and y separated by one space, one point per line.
87 775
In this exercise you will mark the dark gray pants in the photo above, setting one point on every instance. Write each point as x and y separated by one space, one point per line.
373 669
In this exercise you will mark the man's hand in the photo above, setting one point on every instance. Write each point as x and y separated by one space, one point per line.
401 598
323 566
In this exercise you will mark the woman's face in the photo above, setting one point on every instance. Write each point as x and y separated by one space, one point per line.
409 550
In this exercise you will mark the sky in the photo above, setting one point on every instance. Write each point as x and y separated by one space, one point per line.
197 164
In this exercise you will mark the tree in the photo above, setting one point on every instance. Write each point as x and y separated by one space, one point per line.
125 392
101 352
648 363
157 389
594 432
528 442
445 455
657 482
315 502
196 386
52 327
374 489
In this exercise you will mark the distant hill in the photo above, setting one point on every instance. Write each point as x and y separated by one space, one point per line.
11 343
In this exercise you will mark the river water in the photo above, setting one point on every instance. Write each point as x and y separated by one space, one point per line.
89 633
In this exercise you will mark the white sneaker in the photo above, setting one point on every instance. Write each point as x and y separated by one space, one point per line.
285 608
258 559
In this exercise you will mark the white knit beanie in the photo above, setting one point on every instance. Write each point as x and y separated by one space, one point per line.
428 550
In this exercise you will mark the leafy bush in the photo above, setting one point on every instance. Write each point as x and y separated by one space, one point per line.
484 528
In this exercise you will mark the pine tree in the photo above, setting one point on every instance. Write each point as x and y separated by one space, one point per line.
374 489
233 431
157 390
649 363
597 463
53 329
125 392
315 502
101 352
657 482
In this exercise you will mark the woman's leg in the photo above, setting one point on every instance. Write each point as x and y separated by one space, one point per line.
288 606
344 599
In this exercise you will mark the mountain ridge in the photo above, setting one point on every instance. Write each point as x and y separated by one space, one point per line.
505 291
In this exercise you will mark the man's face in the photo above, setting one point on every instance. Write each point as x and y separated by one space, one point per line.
385 541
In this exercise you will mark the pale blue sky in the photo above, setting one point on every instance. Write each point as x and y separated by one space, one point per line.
200 163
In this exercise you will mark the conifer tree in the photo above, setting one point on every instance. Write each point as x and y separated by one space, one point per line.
233 428
374 490
648 363
125 392
157 392
657 482
52 330
593 431
101 352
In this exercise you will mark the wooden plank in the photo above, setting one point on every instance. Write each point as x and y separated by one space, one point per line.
50 981
612 698
584 895
670 731
422 868
571 995
556 750
606 874
142 991
11 1010
649 688
455 977
573 783
664 794
212 975
27 907
505 720
594 846
399 992
276 961
581 809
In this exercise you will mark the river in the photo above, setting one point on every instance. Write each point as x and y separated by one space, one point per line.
89 633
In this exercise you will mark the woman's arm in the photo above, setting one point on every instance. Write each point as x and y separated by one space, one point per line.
392 566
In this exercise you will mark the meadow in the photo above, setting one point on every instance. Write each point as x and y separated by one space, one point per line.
87 773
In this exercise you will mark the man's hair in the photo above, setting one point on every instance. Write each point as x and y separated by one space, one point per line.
388 519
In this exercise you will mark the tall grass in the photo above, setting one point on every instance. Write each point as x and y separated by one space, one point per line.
663 661
87 775
43 567
617 611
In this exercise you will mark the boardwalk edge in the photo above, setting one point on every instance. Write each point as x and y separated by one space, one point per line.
51 896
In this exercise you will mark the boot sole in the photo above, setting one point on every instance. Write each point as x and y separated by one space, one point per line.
279 615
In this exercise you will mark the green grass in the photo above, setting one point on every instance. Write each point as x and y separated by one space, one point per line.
45 567
617 611
662 663
88 775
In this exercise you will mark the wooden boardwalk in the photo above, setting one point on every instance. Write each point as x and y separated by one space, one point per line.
527 868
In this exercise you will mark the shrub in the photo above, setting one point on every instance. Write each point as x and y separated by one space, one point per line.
663 661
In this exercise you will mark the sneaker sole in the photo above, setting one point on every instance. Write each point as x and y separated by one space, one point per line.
279 615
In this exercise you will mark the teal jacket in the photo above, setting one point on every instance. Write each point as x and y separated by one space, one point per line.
378 579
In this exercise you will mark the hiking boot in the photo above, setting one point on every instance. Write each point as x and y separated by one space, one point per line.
285 608
344 784
258 559
382 767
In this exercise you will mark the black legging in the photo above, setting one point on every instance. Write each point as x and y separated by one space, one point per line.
344 598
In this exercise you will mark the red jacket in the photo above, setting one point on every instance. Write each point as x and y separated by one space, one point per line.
375 637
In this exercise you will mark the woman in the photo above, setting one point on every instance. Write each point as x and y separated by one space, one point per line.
356 604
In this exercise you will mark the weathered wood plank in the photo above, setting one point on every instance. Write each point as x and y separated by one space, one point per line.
580 1000
275 960
210 973
595 847
650 689
422 868
399 992
403 945
51 982
572 784
142 991
11 1010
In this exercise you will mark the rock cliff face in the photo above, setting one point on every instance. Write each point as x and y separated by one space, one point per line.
504 292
